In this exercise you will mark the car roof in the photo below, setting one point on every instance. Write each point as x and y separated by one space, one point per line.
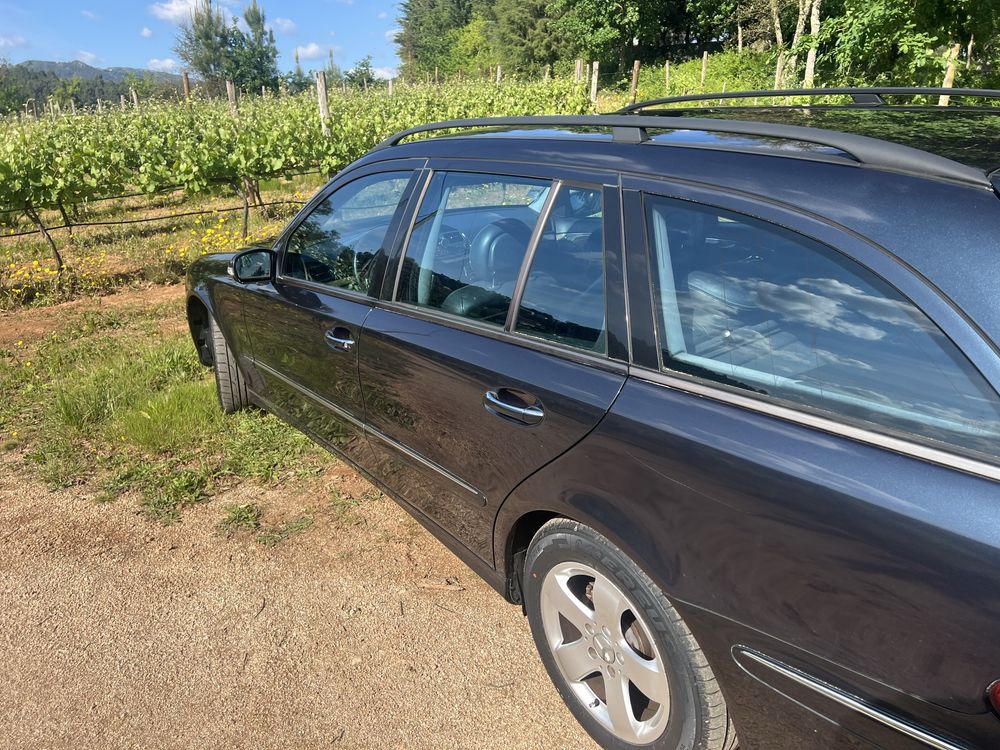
967 136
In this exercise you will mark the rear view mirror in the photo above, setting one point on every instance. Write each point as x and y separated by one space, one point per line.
253 265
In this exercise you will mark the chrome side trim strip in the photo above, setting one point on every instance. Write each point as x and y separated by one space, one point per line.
368 430
879 440
410 453
849 701
342 413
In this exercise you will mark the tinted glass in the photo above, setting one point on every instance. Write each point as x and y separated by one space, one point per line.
563 297
760 308
340 241
468 243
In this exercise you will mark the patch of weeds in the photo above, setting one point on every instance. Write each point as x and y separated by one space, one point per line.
260 446
240 518
60 462
345 508
279 534
165 494
128 473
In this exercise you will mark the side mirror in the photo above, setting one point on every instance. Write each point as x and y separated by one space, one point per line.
252 265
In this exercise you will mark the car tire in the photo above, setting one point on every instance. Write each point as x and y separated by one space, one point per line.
229 382
619 654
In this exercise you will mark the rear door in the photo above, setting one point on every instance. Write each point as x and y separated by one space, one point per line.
305 326
814 454
498 345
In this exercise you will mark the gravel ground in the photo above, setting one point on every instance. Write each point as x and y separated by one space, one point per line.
361 632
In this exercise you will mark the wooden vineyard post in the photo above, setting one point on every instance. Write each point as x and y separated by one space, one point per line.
704 69
135 98
186 83
578 74
324 102
593 82
231 93
121 101
666 76
547 75
499 74
633 89
390 87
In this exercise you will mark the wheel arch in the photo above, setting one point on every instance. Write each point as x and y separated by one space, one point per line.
198 315
522 515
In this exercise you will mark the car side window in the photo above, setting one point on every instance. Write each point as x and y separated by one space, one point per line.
468 242
563 299
756 307
339 243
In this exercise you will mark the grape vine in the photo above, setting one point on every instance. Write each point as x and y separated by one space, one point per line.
64 162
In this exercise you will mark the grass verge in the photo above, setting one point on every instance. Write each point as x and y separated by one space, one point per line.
111 401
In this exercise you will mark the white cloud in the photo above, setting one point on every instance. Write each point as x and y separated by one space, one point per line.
164 65
173 10
384 73
179 11
10 42
87 57
311 51
284 25
146 32
383 15
391 34
89 15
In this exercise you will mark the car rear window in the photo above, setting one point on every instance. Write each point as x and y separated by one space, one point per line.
755 307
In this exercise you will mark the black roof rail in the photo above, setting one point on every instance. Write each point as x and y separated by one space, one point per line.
862 97
866 151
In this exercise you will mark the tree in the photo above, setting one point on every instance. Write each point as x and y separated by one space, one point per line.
204 44
254 55
12 94
527 39
814 31
219 50
615 31
362 74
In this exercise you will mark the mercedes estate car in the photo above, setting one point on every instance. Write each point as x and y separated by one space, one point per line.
710 392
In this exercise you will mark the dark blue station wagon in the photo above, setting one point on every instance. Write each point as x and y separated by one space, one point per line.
713 399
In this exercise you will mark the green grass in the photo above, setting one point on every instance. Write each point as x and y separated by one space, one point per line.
283 532
110 401
240 518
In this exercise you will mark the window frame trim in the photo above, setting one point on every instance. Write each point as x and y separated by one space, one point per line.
952 323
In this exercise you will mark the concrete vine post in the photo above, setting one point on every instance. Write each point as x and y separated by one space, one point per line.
324 103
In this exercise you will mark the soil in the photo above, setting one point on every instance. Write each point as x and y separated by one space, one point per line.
31 323
362 631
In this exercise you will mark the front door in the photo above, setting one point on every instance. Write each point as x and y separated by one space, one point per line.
305 327
492 359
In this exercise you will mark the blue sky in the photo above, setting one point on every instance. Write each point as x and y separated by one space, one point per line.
140 33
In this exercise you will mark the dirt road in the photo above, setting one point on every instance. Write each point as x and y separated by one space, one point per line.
361 632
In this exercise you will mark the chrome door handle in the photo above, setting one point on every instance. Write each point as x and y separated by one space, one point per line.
526 414
339 339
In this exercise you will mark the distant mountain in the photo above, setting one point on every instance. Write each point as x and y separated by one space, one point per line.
67 70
